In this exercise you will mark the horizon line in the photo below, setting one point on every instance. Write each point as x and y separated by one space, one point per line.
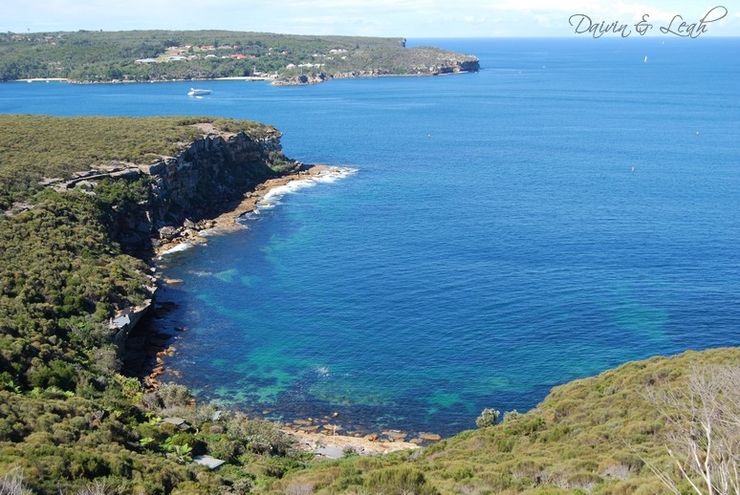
511 36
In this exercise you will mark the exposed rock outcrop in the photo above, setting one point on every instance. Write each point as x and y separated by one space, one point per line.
208 177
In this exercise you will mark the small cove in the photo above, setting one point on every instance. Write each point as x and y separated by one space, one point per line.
566 210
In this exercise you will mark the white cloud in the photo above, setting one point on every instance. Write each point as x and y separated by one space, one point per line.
410 18
607 10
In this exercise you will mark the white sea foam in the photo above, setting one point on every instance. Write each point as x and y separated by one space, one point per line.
273 196
177 248
200 273
210 232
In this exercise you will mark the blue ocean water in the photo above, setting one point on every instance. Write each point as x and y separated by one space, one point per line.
565 210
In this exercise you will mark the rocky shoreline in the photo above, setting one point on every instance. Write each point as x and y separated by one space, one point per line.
325 436
298 80
176 239
237 169
317 435
333 446
195 233
245 171
462 67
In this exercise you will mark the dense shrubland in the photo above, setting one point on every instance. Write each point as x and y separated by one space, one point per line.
71 423
67 415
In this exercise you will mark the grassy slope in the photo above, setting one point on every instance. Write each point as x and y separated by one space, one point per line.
585 436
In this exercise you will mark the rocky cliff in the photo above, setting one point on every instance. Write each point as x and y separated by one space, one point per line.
206 178
451 65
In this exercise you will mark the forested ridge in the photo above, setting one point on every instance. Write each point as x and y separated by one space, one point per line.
92 56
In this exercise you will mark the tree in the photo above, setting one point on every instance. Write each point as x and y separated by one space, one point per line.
704 432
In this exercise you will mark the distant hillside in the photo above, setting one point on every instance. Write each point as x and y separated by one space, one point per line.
87 56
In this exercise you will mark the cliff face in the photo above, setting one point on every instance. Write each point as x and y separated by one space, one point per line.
205 179
447 66
469 66
212 172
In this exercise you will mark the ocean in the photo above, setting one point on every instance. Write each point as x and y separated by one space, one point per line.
567 209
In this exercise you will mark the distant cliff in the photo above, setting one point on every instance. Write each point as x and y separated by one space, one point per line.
421 61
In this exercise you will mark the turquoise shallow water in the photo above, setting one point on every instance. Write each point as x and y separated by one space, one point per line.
567 209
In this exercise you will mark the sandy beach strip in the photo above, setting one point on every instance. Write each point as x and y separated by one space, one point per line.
336 446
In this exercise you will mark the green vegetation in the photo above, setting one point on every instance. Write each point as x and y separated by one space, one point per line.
118 437
60 280
66 415
34 147
69 418
165 55
588 436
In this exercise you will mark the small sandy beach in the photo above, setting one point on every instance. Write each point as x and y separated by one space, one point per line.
335 446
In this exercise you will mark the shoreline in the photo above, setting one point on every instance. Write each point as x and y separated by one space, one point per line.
42 79
319 439
197 234
274 81
157 347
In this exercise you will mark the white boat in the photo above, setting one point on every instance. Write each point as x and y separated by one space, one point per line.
198 92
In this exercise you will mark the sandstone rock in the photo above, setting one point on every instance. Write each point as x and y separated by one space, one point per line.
395 435
208 461
332 429
430 437
168 232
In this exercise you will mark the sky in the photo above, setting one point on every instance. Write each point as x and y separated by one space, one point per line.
406 18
